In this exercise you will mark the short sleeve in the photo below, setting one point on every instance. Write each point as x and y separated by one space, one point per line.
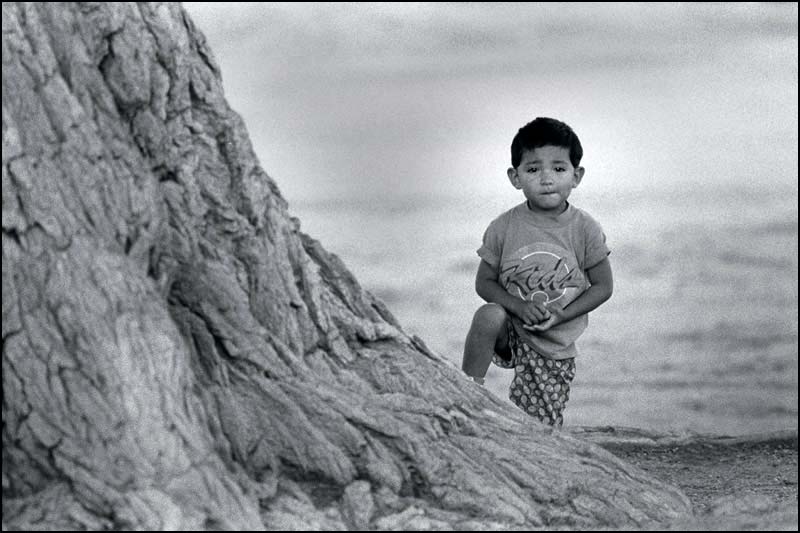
492 248
596 246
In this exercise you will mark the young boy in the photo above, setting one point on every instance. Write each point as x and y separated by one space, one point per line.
544 266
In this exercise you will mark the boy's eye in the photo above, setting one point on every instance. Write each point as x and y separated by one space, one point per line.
561 169
533 169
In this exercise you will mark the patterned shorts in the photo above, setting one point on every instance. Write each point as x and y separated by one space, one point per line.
541 385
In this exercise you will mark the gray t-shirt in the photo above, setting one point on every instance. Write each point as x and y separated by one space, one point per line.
541 258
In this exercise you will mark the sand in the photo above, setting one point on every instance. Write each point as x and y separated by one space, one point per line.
734 483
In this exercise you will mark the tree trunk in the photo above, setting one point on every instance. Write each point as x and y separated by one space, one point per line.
177 354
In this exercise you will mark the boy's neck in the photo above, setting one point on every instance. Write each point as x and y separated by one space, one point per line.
551 213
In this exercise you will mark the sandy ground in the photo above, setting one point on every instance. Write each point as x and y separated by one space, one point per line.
734 483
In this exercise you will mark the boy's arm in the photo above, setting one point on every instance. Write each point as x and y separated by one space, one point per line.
602 286
488 288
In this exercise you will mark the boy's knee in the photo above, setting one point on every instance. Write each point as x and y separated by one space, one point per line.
491 316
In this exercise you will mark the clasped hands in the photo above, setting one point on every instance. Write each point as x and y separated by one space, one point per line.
538 315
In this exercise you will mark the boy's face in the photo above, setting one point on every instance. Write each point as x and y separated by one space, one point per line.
547 177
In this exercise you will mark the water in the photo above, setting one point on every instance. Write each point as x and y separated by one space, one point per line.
700 335
387 128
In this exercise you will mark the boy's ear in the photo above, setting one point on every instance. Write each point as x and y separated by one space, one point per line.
578 176
513 177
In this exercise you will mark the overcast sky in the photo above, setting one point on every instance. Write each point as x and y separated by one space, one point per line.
418 98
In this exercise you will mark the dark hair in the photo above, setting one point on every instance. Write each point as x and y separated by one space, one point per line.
546 132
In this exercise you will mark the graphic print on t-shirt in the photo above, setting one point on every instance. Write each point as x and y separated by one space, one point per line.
543 271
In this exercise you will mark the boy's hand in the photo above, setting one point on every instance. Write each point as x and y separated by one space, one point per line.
532 312
555 318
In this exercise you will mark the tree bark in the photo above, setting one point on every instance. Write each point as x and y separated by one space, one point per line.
178 354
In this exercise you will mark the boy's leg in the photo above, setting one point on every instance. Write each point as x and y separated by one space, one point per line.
487 335
541 385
